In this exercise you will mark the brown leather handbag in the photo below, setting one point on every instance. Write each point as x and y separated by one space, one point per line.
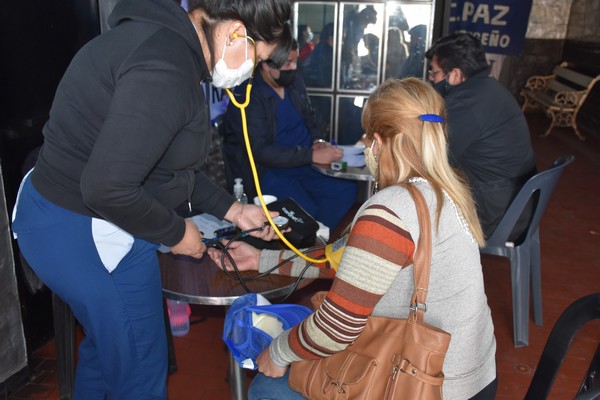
392 358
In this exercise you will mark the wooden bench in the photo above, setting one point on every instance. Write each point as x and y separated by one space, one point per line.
561 95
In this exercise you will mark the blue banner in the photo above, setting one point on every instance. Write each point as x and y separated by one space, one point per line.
499 24
217 99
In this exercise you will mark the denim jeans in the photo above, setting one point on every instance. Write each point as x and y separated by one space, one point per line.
265 388
326 198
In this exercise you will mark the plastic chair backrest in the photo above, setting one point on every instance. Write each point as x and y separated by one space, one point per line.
571 320
544 183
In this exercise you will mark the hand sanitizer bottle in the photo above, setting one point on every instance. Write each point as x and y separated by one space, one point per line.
238 191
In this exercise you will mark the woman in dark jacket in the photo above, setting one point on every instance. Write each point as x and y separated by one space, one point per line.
119 170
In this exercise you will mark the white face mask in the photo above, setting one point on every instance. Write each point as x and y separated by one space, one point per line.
225 77
371 160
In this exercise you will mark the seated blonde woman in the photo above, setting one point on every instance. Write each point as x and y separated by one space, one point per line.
406 144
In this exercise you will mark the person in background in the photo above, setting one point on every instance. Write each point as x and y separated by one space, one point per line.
119 170
405 145
397 53
305 42
355 23
415 62
369 63
487 131
317 70
397 50
286 138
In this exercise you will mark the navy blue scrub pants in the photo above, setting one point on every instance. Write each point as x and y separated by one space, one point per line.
325 198
124 352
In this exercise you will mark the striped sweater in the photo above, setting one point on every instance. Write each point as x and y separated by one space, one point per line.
372 279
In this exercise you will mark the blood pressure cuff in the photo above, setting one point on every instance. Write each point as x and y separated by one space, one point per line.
252 322
304 226
334 251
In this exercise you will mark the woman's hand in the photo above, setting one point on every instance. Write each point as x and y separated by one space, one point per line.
249 216
245 256
267 366
191 244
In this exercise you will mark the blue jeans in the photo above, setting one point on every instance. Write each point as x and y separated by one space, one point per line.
265 388
124 352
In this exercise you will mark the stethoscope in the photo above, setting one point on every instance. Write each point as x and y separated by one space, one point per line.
242 108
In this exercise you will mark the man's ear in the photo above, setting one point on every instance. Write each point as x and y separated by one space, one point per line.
455 77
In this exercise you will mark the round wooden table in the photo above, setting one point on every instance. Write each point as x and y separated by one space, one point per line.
202 282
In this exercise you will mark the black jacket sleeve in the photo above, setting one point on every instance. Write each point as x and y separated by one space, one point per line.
153 102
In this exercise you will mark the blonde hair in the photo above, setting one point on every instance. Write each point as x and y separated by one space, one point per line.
414 148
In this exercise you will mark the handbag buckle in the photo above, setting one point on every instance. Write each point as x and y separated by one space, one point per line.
416 306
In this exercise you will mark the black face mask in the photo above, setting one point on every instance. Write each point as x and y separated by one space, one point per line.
286 77
442 87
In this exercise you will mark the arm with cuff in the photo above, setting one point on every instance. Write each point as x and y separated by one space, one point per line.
294 267
378 245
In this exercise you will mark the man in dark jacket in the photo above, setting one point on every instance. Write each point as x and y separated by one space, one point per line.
488 135
286 138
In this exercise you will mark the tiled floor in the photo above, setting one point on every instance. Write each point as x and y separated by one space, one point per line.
570 269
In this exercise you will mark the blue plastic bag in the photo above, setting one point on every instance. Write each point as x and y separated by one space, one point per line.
252 322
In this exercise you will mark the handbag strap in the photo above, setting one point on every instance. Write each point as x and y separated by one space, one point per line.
422 260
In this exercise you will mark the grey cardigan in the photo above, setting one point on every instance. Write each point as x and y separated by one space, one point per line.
456 300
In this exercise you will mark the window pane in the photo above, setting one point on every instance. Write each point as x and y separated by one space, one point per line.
316 54
408 37
362 30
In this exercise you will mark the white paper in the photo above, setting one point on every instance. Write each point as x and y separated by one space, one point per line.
355 160
352 149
